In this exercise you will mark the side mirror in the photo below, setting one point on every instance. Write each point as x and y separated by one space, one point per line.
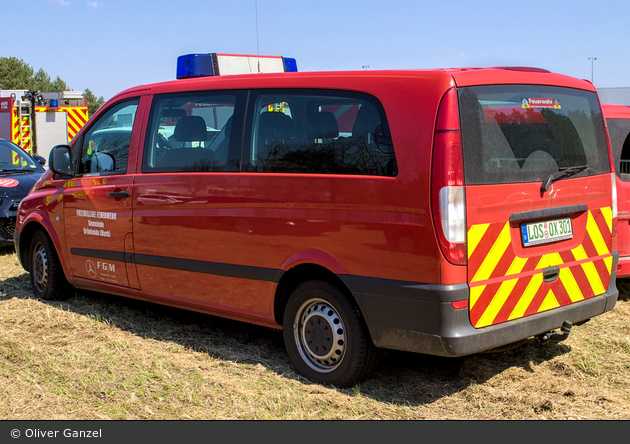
41 160
59 161
101 163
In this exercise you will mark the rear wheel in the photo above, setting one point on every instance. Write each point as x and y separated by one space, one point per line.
325 336
47 278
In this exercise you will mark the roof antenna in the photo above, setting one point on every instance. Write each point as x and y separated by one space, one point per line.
257 41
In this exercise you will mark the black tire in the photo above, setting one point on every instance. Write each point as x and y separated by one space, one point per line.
47 278
326 337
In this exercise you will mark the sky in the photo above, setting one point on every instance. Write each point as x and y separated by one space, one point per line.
111 45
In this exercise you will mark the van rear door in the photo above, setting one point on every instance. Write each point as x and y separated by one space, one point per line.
538 199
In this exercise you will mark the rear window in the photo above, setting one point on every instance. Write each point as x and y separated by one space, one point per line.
523 133
320 132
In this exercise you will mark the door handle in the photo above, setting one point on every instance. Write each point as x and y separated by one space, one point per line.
550 274
119 194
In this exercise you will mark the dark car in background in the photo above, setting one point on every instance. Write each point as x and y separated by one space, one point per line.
18 173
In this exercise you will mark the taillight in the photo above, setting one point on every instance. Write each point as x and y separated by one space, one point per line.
613 183
447 182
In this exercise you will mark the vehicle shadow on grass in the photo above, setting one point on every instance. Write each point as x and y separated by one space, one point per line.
400 378
413 379
623 285
218 337
6 250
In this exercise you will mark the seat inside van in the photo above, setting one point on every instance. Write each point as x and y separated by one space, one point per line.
274 129
189 129
322 126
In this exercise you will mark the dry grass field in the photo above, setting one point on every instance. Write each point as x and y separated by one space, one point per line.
96 356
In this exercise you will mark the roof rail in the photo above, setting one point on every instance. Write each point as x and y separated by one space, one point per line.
521 68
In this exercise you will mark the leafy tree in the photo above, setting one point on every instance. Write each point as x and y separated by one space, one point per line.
15 74
58 85
40 81
93 103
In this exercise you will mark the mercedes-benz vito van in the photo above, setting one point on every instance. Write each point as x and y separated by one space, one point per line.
446 211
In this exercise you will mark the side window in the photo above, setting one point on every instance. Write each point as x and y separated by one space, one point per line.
190 132
320 132
105 146
624 163
619 131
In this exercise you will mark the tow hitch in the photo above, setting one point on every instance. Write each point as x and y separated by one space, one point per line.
556 336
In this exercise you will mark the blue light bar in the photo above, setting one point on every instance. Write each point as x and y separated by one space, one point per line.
195 65
203 65
290 64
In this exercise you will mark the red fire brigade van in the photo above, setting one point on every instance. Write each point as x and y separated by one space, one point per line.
618 120
445 212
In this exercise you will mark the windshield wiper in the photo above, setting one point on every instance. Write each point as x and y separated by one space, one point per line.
25 170
562 174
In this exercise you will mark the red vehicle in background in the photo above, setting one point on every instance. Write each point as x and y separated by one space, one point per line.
618 121
447 211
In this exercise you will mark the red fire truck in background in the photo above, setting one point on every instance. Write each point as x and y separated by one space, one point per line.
38 121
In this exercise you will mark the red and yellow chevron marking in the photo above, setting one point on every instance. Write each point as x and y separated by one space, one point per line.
26 134
504 286
15 127
77 117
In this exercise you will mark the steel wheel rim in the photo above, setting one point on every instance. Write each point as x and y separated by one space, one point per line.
320 335
40 268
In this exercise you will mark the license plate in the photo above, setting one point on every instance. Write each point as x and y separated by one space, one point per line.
542 232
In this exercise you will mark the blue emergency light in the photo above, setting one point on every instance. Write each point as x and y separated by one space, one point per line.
290 64
195 65
213 64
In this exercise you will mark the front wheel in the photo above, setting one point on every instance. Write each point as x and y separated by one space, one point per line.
325 336
47 278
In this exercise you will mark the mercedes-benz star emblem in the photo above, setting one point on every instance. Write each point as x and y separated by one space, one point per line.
91 269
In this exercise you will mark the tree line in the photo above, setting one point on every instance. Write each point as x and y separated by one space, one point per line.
17 74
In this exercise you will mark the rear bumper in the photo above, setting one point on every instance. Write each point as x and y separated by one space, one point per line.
420 318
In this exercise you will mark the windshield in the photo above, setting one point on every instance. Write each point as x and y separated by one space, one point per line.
524 133
14 158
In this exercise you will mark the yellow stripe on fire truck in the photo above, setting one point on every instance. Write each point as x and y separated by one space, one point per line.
504 286
77 117
25 143
15 127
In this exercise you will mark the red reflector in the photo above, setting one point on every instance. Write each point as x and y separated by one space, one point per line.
460 304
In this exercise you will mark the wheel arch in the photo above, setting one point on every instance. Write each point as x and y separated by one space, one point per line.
26 236
298 274
24 246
